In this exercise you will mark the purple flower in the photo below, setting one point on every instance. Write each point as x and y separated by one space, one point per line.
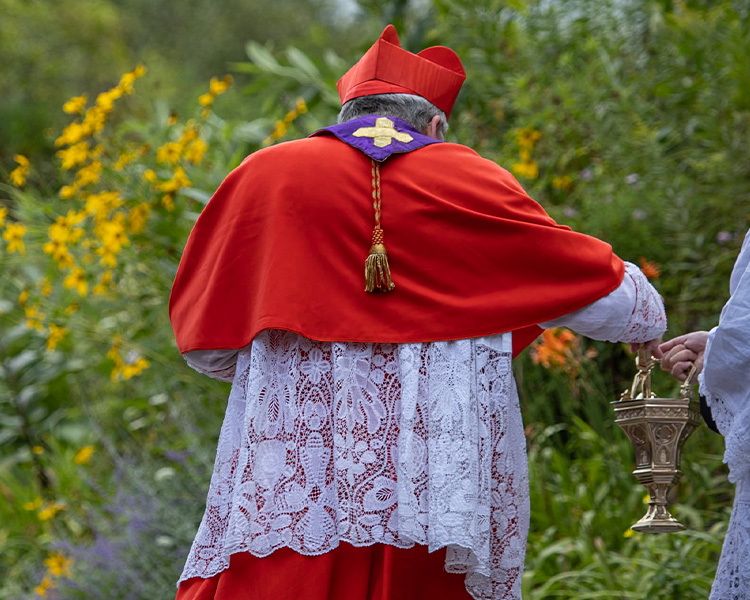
723 237
587 174
570 212
632 179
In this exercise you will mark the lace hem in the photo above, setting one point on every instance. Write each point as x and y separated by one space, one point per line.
372 443
734 426
732 580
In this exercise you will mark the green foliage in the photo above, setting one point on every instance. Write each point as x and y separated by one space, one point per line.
627 121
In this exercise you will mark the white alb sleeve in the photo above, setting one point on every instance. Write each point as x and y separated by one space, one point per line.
634 312
218 364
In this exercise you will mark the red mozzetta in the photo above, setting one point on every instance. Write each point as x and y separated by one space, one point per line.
282 244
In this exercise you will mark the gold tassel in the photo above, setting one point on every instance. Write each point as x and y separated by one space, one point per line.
377 269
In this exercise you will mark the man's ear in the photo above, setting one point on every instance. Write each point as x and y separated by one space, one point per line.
433 127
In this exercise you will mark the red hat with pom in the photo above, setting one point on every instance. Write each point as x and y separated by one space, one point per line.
435 73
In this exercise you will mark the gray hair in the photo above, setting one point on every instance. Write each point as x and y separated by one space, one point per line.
415 110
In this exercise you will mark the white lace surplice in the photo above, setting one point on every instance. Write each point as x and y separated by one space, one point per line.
725 382
372 443
384 443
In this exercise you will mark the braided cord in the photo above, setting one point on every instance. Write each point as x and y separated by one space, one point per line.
376 194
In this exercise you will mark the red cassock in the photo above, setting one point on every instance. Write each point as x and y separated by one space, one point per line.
377 572
282 245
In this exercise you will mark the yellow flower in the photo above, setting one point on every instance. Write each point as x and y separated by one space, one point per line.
301 106
216 86
89 174
102 204
45 586
68 191
114 352
169 153
60 254
137 217
77 280
19 174
290 116
172 118
167 201
74 155
72 134
195 150
75 105
38 450
34 504
3 214
124 159
13 234
83 455
564 182
179 180
206 100
46 287
190 133
56 334
94 120
104 283
23 298
73 217
114 355
280 129
72 307
629 533
127 80
112 235
129 371
205 113
34 318
150 176
106 100
527 137
526 169
49 511
61 232
58 564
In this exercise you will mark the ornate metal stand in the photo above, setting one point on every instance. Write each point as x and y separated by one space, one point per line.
657 428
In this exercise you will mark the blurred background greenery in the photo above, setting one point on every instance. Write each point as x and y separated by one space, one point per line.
626 119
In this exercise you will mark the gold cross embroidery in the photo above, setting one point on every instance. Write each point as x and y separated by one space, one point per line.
383 133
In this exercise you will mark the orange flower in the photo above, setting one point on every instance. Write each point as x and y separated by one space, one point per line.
650 269
556 348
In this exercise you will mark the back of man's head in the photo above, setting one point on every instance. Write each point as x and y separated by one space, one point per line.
415 110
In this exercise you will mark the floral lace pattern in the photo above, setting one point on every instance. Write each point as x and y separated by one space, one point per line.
733 573
648 319
372 443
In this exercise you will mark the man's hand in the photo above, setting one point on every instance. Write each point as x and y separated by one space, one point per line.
679 354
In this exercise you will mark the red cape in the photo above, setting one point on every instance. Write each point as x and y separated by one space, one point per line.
282 245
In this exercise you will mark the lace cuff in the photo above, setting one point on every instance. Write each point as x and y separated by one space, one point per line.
633 312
